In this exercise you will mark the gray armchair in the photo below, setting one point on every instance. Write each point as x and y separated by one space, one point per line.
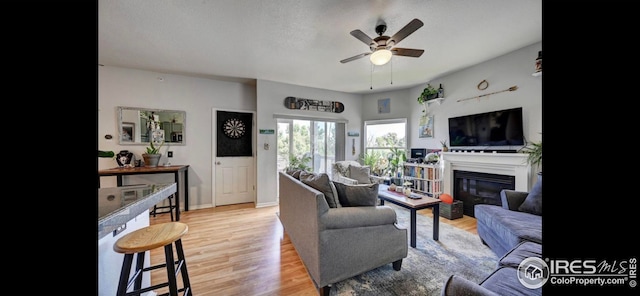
352 172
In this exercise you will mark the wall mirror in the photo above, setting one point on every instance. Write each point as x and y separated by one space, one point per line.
139 126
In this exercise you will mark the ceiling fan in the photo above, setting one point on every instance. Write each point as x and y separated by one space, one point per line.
382 47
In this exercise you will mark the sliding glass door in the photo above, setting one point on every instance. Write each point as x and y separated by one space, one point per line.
306 144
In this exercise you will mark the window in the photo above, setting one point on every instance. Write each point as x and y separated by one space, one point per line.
381 137
308 144
312 145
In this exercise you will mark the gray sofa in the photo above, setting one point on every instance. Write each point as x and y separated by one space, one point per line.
338 242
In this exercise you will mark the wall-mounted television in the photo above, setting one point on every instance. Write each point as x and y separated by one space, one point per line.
495 130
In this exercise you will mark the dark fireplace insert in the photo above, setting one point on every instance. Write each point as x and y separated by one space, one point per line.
474 188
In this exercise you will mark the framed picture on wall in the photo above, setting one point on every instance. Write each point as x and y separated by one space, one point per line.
128 128
384 105
425 128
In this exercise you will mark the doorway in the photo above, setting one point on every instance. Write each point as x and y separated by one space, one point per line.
309 144
233 157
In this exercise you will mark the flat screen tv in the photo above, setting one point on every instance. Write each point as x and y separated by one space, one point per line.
494 130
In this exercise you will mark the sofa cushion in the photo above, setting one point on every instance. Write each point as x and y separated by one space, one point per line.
504 281
533 203
522 251
457 285
360 174
357 195
334 191
321 183
503 229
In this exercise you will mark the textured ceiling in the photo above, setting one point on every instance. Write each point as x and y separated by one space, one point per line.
301 42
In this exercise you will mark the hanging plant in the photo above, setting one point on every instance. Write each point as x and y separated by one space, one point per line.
428 93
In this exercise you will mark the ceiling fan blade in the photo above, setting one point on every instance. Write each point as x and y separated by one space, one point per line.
362 55
361 36
407 52
411 27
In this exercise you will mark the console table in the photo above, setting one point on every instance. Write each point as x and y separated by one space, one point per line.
174 169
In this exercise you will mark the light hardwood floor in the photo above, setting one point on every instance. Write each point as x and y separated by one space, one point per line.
242 250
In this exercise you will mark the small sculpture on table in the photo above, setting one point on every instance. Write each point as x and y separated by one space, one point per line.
124 158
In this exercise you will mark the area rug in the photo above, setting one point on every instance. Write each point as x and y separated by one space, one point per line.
427 266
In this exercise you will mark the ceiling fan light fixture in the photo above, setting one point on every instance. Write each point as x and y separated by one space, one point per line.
380 57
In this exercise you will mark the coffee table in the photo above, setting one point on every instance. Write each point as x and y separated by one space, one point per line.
412 205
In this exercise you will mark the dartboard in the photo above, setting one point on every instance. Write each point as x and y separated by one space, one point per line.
233 128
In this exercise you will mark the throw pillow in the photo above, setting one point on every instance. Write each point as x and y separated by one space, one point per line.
321 183
294 173
335 194
342 168
360 174
533 202
357 195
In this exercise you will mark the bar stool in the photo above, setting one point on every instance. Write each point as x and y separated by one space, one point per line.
148 238
171 208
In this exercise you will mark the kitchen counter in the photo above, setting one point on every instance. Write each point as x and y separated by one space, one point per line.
119 205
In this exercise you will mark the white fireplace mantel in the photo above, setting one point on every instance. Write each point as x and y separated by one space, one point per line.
511 164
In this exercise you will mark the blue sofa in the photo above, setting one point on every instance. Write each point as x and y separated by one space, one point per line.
502 281
513 231
518 219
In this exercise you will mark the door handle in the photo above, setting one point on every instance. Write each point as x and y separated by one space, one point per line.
218 163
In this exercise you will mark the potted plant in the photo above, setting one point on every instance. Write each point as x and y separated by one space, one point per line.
152 157
299 162
444 145
375 161
535 156
535 153
396 157
428 93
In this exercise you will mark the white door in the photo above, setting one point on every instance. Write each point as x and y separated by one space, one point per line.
234 176
234 180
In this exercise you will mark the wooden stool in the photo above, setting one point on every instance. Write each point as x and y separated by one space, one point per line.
148 238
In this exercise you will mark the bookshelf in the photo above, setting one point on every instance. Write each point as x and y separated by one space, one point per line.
424 178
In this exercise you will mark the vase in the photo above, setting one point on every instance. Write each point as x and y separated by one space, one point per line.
151 160
445 149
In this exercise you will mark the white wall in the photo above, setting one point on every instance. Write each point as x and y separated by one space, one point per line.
197 96
512 69
271 97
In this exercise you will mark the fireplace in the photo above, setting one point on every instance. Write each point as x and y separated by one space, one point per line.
500 168
479 188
